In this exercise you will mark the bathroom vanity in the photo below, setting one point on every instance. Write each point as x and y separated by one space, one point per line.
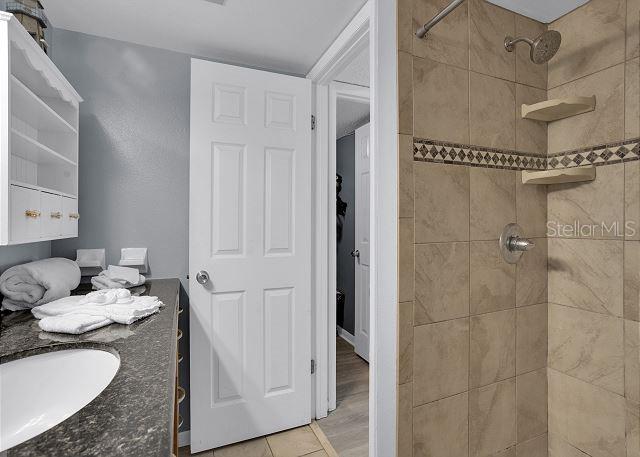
136 414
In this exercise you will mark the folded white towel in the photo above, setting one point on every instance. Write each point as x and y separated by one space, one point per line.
117 277
83 313
36 283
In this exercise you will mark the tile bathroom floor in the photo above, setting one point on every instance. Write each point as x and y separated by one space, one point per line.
344 432
305 441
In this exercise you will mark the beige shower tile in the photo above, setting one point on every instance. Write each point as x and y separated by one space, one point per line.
596 419
492 106
633 28
405 342
531 275
632 98
405 93
632 360
440 360
405 420
633 429
559 447
492 418
536 447
587 346
405 26
440 101
531 136
528 72
586 274
493 348
449 41
632 280
598 204
489 25
558 407
603 125
531 208
531 404
632 200
593 38
492 280
493 202
442 282
405 176
405 259
531 338
441 202
441 428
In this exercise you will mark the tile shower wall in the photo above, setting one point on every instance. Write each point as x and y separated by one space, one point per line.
594 271
472 328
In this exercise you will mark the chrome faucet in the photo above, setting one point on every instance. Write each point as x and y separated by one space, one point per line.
513 244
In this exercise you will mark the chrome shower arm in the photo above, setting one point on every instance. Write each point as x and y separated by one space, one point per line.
422 31
510 42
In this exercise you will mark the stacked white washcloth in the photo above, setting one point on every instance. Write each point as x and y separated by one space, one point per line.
36 283
83 313
116 277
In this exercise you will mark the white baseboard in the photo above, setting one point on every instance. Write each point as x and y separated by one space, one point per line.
184 438
348 337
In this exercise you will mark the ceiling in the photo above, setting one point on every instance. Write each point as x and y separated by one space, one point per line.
286 36
545 11
349 116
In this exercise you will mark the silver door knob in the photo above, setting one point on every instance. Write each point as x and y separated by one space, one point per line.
202 277
355 253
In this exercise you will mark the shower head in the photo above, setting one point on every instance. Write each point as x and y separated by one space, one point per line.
543 48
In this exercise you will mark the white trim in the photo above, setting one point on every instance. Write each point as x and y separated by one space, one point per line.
184 438
349 43
384 230
345 335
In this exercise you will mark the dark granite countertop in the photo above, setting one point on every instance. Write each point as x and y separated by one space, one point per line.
133 416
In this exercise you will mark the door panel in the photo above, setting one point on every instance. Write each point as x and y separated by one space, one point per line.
249 228
363 202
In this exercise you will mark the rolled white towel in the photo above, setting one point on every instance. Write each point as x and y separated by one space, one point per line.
36 283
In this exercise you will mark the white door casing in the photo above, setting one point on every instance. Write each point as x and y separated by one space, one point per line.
249 228
363 243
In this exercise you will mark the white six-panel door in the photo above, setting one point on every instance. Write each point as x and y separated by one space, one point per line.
249 229
363 183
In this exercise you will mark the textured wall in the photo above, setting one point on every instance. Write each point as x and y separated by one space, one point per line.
134 154
345 167
472 328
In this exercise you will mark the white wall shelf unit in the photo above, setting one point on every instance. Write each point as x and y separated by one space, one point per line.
39 120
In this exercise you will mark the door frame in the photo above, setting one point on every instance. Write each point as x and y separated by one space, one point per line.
359 94
373 26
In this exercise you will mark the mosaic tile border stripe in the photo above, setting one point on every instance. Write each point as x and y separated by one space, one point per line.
476 156
605 154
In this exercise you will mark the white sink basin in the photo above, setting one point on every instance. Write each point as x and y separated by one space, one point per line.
41 391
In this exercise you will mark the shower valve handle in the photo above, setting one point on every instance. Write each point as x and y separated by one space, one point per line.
520 244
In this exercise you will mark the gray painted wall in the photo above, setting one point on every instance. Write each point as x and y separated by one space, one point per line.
22 253
345 166
134 155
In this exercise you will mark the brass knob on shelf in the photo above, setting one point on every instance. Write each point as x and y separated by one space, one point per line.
179 333
181 394
179 357
74 216
32 213
56 215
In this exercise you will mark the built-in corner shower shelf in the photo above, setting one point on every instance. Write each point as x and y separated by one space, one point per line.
565 175
558 108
